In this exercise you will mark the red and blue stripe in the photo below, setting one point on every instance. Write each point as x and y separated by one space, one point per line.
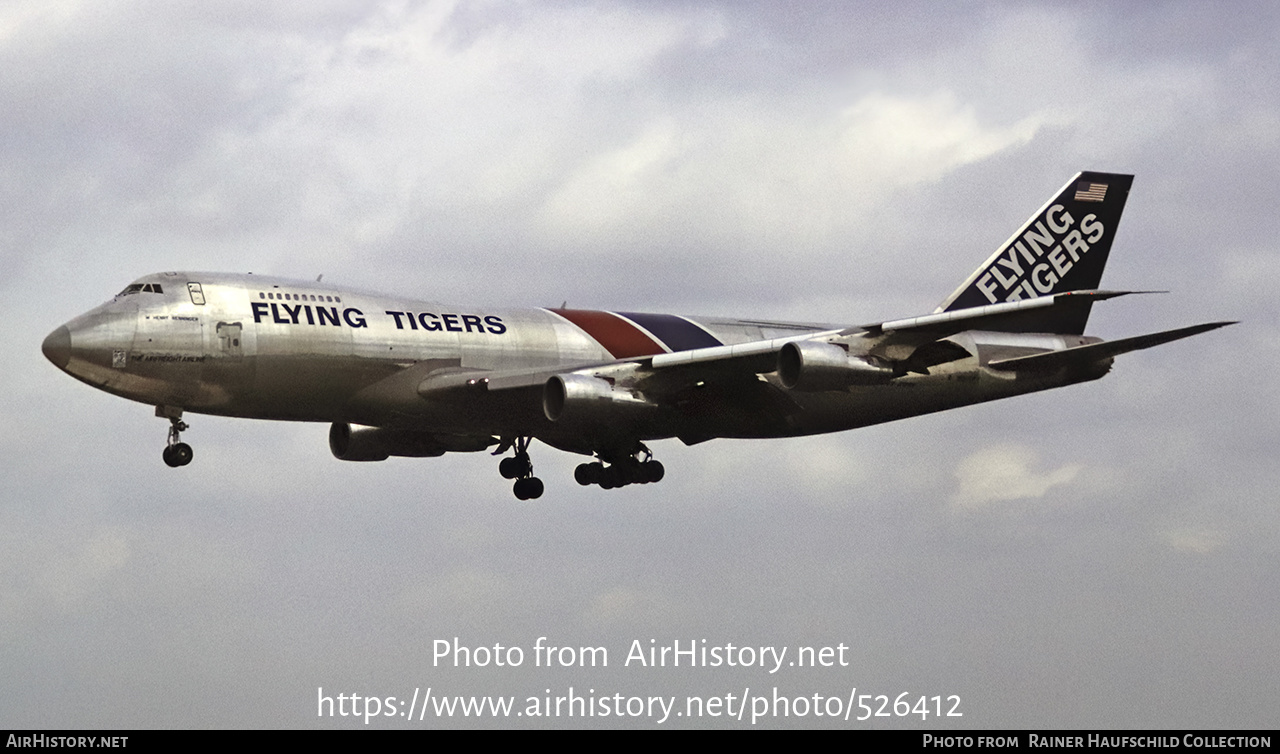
628 335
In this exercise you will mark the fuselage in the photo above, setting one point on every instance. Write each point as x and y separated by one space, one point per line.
269 348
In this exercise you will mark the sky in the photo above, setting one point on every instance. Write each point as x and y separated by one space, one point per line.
1103 555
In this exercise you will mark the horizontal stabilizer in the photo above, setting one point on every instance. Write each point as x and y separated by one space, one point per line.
1099 351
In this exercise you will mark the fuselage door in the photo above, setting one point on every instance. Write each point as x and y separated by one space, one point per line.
228 334
197 294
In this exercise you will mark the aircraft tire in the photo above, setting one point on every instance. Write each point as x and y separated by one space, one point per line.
587 473
613 476
178 455
509 468
529 488
653 471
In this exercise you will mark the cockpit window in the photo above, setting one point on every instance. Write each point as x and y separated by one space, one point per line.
141 288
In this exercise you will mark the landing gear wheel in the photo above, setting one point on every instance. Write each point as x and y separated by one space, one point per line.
636 467
613 476
176 453
588 473
529 488
520 468
515 468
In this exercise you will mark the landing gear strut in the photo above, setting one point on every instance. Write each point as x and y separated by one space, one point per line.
176 452
637 468
520 468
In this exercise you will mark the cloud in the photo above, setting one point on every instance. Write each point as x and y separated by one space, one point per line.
627 607
906 140
1003 473
1197 541
60 570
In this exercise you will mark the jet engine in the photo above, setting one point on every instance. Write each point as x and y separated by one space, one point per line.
810 366
577 397
355 442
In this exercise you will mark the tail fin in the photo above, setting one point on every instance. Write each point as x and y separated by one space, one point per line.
1063 247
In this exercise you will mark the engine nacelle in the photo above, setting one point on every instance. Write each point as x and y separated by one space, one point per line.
354 442
577 397
810 366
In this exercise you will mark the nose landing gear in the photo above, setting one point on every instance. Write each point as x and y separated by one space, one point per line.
176 453
520 468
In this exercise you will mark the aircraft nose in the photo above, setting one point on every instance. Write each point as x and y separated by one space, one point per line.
57 347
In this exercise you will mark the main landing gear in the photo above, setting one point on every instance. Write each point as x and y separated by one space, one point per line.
636 467
623 471
176 453
520 468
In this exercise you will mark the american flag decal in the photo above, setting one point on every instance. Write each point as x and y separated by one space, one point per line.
1090 192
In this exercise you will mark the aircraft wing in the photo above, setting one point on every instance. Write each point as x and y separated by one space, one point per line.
746 358
443 383
900 341
760 357
728 379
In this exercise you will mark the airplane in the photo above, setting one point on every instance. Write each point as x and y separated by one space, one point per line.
396 376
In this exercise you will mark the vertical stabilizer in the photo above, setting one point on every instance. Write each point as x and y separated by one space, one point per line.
1063 247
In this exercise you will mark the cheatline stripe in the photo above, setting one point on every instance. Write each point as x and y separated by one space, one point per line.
627 335
678 333
619 337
